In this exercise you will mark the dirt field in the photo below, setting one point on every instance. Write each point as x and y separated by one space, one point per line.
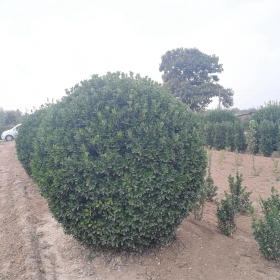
33 245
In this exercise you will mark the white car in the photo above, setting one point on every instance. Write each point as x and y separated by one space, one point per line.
10 134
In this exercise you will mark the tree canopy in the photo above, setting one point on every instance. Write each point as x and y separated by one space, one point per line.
192 77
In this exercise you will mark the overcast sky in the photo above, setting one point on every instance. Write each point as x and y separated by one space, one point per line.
50 45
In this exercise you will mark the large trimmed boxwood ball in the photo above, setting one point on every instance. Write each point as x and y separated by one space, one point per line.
120 161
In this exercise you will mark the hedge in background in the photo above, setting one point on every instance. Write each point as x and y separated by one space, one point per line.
267 131
120 162
251 137
218 116
270 112
239 137
225 135
26 138
267 134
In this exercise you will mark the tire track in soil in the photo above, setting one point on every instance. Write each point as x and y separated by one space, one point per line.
33 245
20 257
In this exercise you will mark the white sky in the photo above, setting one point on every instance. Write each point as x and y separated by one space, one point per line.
48 46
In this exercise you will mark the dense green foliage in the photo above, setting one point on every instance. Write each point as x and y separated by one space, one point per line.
120 161
237 111
210 188
235 202
251 138
226 215
207 192
267 230
267 132
267 129
192 77
270 112
239 137
223 130
240 197
218 116
26 138
225 135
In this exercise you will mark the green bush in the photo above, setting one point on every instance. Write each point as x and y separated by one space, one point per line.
235 202
240 197
209 134
270 112
278 137
251 137
219 136
218 116
229 136
207 192
120 161
225 135
210 188
267 141
267 231
268 129
222 129
226 215
27 137
239 138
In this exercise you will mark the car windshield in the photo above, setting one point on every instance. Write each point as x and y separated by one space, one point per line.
17 127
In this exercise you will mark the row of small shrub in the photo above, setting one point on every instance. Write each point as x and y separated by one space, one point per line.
119 160
223 130
266 230
225 135
237 201
218 116
263 134
263 137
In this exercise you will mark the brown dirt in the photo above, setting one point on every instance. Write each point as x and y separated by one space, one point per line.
33 245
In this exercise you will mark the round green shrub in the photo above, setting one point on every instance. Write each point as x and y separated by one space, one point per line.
120 161
26 138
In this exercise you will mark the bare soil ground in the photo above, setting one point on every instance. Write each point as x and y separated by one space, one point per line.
33 245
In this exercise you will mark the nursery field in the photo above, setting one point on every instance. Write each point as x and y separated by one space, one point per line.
33 245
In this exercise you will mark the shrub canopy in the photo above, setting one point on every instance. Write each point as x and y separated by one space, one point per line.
267 130
120 161
27 136
217 116
270 112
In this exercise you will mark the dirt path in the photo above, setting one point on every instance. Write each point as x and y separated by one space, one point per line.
33 245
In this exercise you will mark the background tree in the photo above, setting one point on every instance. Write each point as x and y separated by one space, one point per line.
192 77
10 118
13 117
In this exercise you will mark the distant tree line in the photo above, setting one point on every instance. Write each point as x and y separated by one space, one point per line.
237 111
10 118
